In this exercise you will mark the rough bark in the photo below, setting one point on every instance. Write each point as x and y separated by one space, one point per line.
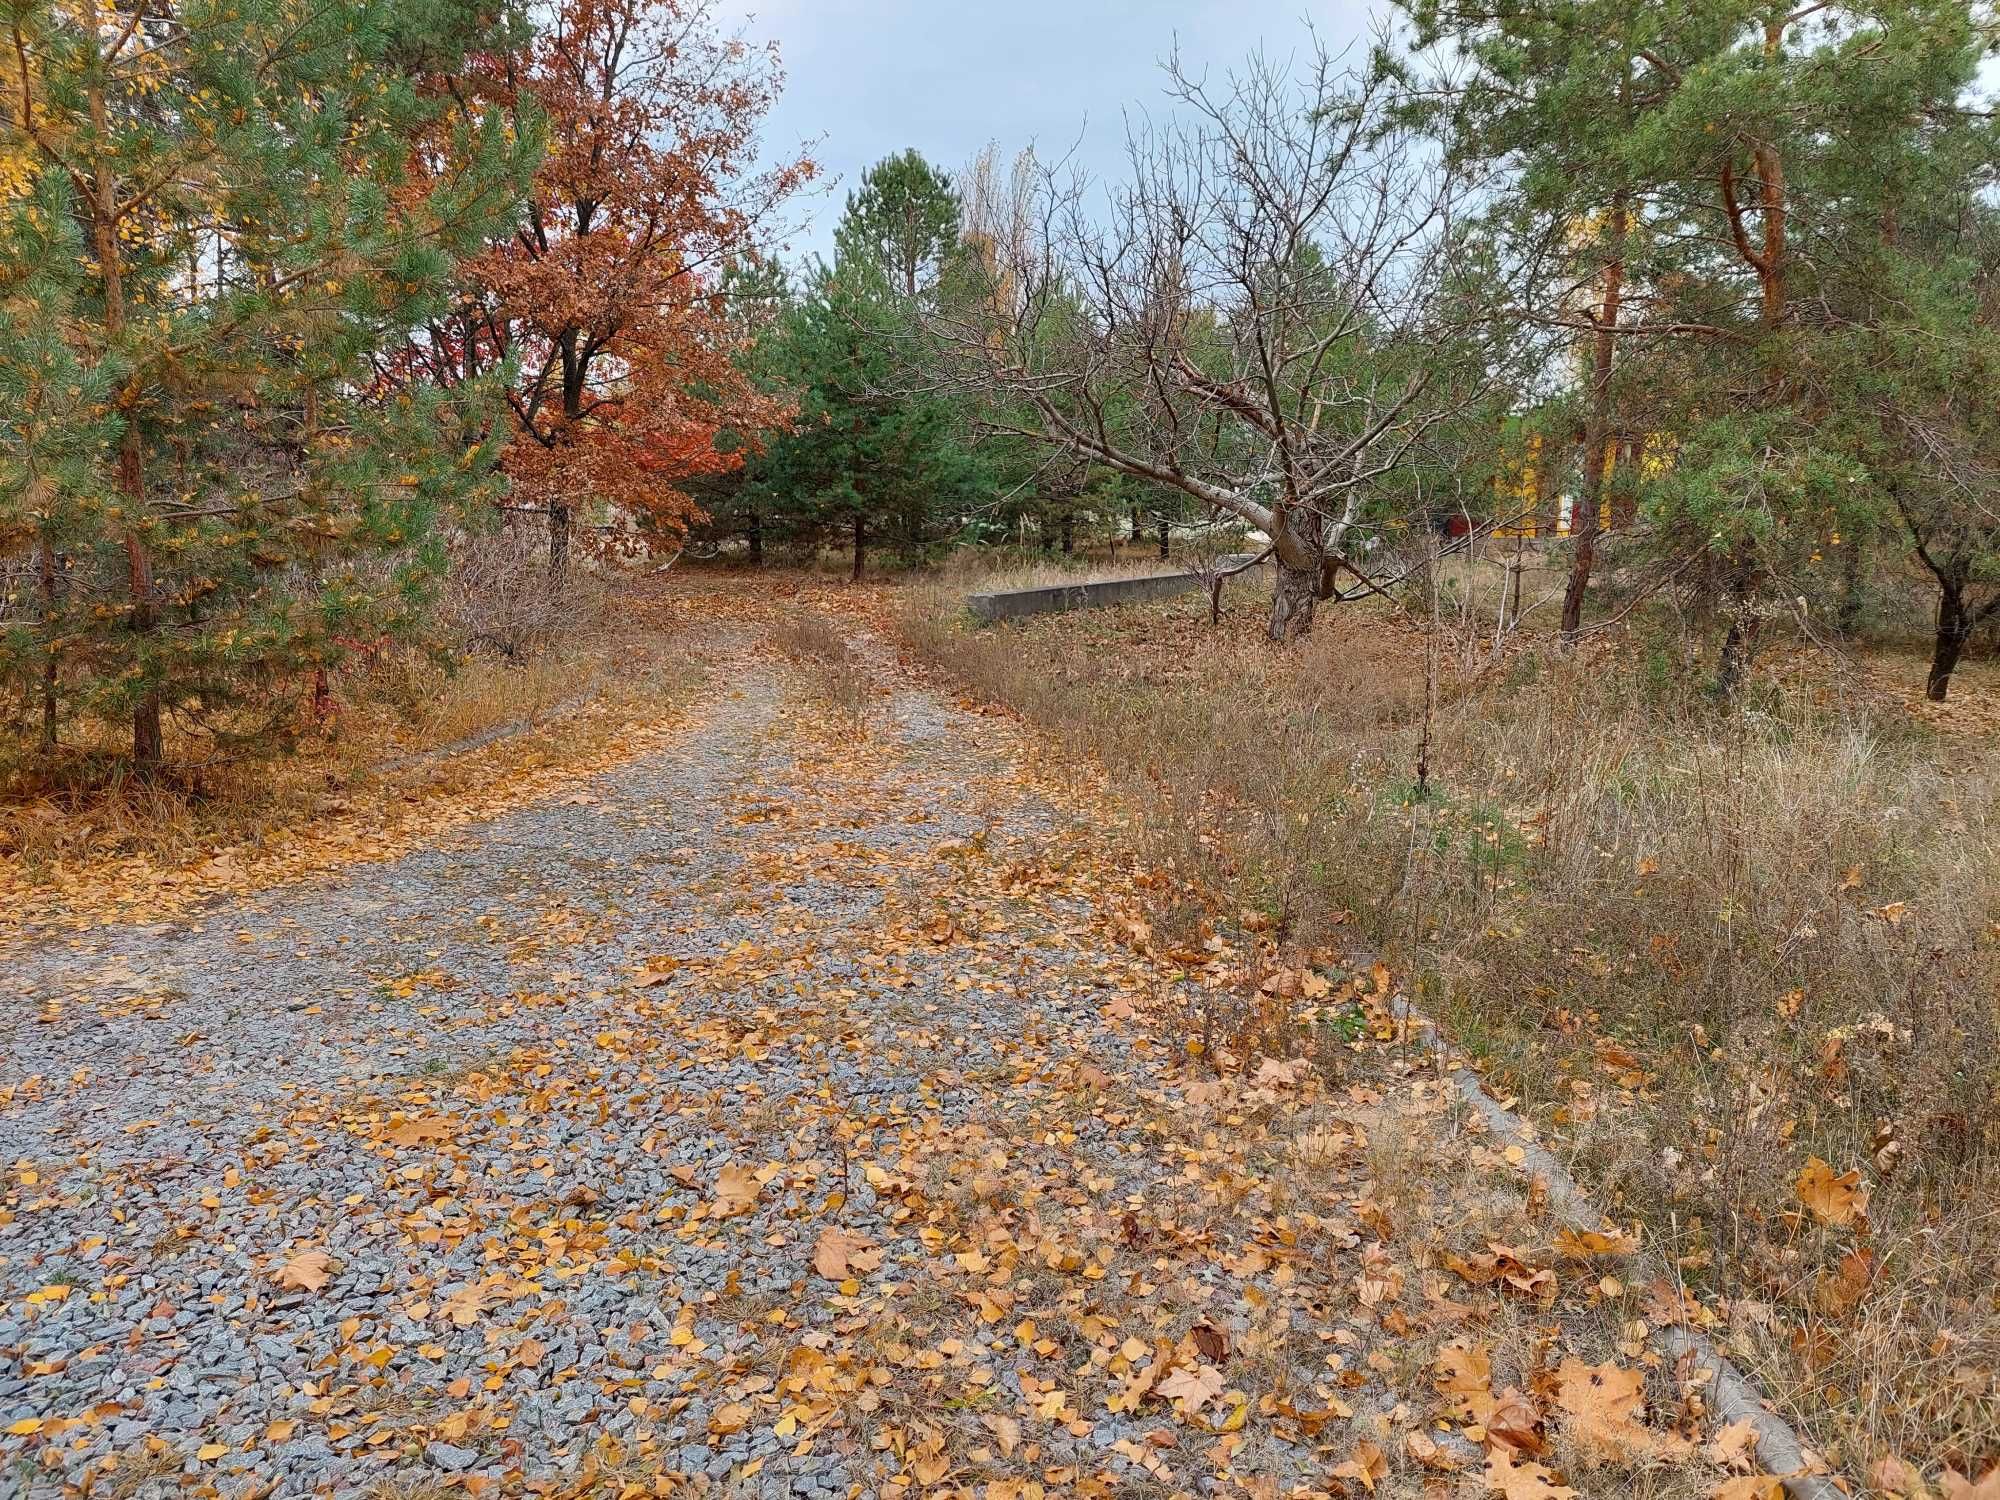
1739 646
1955 623
558 540
575 371
1597 431
1849 618
46 560
148 744
1163 539
1294 598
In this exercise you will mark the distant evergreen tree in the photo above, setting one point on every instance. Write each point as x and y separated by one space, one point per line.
873 458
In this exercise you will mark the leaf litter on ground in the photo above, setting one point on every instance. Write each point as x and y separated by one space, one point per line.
887 1156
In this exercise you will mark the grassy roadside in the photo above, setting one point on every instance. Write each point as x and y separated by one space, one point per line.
1705 951
415 748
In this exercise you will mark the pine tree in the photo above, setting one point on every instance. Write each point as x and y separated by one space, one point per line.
217 225
869 459
1704 189
873 455
903 224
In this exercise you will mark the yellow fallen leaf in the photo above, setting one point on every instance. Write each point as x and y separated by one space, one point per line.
423 1129
1606 1405
1368 1466
1590 1244
840 1252
1751 1487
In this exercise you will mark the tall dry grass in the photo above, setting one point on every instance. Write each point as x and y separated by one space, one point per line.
1701 946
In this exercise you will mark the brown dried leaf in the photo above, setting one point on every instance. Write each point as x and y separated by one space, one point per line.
308 1271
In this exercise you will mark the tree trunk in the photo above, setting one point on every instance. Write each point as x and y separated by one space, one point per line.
1849 618
1738 647
1954 629
148 743
148 747
1137 532
1163 538
558 540
860 545
1294 596
1511 613
47 564
1597 428
575 370
1068 532
756 539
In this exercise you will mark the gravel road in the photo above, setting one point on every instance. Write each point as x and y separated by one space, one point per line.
436 1173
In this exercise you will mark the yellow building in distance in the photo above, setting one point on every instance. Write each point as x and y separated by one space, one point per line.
1535 492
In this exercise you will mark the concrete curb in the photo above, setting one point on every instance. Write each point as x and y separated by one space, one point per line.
1016 604
1732 1396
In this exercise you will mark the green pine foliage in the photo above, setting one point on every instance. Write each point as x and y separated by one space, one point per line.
873 458
229 211
1765 209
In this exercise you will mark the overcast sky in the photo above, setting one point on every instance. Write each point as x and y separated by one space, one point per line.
866 78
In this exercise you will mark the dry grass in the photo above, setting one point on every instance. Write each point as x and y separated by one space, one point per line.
1701 946
400 729
832 674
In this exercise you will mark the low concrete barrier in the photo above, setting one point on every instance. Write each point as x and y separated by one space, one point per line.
1016 604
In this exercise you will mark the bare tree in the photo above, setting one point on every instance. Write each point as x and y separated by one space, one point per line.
1261 317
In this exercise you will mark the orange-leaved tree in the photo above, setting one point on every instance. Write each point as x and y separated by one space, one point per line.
609 298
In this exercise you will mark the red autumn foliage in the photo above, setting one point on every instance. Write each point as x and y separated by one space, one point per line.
609 294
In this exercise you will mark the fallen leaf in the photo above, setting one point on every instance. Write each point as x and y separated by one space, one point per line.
1750 1487
1593 1244
1368 1466
1834 1199
840 1252
1842 1290
1211 1342
1605 1405
423 1129
308 1271
1192 1388
1517 1478
1735 1446
736 1191
1465 1377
